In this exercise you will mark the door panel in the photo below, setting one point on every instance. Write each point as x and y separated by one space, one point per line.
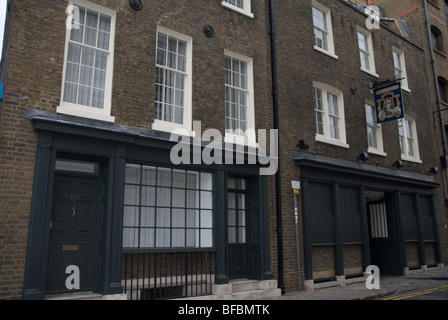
73 233
383 240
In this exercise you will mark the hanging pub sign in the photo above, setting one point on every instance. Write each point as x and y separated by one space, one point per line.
389 101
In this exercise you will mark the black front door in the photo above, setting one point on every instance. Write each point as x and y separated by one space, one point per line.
237 227
384 251
73 233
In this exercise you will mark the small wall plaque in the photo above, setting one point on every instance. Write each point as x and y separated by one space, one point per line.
70 247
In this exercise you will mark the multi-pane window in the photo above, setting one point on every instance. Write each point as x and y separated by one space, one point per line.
88 66
333 115
236 78
172 81
323 30
400 67
329 115
436 38
319 110
320 28
374 132
239 98
170 78
167 208
397 64
408 139
371 127
236 211
241 6
366 51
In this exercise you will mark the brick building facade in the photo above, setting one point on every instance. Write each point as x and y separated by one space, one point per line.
87 173
344 198
79 115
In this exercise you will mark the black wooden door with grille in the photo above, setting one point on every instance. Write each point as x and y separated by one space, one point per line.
384 249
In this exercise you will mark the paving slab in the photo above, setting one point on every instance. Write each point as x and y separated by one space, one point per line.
389 285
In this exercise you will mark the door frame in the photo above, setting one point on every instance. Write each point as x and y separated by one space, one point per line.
246 192
394 264
95 220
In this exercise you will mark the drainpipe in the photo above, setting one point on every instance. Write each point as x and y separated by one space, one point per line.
276 127
436 85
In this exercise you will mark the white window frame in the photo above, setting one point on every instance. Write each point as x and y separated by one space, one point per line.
379 150
326 136
404 140
250 138
165 126
81 110
246 10
370 53
401 69
330 40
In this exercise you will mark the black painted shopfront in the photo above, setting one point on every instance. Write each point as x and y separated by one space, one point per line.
108 200
358 215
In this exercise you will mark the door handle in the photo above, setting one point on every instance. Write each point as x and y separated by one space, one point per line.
73 212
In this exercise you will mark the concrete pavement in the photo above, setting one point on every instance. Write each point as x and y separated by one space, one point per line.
415 280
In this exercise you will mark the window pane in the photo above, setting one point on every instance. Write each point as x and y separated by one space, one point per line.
179 218
163 197
163 238
77 34
178 238
72 73
147 238
163 218
206 219
147 217
148 197
99 79
130 237
103 40
192 218
130 217
70 92
132 174
206 238
74 53
131 195
90 37
84 95
148 175
105 22
206 200
164 177
206 181
178 198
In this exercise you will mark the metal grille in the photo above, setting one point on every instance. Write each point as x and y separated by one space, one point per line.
378 220
161 276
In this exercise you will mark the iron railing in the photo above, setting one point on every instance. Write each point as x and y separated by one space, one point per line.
161 276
